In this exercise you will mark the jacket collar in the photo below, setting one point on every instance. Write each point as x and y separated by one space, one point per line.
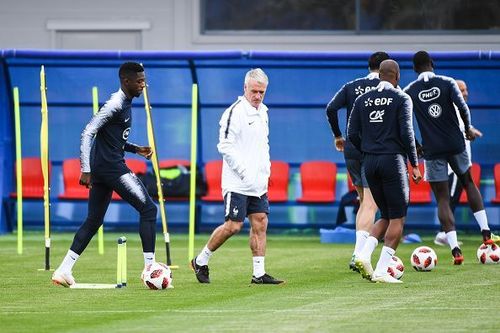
426 76
250 109
384 85
372 76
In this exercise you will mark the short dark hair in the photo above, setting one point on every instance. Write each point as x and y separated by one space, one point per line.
128 69
421 61
376 58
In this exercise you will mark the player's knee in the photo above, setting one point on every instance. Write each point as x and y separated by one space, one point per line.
233 227
466 178
149 211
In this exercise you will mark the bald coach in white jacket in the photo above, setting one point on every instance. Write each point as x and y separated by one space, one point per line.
244 146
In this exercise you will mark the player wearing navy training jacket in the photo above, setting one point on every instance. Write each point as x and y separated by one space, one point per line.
344 98
434 100
103 170
381 127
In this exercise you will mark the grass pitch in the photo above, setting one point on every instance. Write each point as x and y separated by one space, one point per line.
321 294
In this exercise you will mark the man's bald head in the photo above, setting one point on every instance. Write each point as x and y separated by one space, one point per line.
389 71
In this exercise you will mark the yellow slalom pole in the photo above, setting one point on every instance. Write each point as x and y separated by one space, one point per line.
44 153
156 168
100 232
192 191
19 171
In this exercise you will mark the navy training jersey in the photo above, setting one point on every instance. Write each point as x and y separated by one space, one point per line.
104 139
345 97
433 98
381 123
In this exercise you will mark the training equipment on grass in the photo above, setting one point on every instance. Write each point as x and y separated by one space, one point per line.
95 109
423 259
121 270
157 276
19 170
192 191
156 168
44 154
488 254
396 268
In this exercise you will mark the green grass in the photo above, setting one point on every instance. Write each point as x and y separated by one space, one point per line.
321 294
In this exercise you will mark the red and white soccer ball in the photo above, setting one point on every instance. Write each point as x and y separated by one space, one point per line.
396 268
157 276
423 259
488 254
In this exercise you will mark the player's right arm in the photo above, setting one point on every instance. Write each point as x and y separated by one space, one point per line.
337 102
354 125
229 132
89 132
462 107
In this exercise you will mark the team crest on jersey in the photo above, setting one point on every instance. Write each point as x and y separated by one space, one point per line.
435 110
126 133
429 94
377 116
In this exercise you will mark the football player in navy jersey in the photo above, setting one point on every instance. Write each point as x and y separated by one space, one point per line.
104 142
434 100
344 98
381 127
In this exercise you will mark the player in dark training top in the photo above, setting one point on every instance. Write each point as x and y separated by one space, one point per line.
381 127
345 98
434 100
103 170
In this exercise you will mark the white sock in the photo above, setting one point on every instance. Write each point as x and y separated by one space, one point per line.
482 220
451 236
370 245
361 237
258 266
204 256
149 258
68 262
384 260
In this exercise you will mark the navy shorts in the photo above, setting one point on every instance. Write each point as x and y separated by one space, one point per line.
357 172
238 206
387 176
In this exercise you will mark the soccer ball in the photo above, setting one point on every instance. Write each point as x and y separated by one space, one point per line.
488 254
396 268
157 276
423 259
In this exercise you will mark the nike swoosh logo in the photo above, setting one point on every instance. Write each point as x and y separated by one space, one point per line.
127 119
251 122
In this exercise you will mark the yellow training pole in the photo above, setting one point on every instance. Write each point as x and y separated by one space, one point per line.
95 109
192 190
19 171
156 168
44 153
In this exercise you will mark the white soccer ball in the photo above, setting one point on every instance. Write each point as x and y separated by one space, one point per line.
396 268
423 259
157 276
488 254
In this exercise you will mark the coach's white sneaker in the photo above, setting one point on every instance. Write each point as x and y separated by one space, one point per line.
385 278
64 279
364 268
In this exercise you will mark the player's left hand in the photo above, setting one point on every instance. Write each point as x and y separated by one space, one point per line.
146 152
339 143
416 175
473 133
